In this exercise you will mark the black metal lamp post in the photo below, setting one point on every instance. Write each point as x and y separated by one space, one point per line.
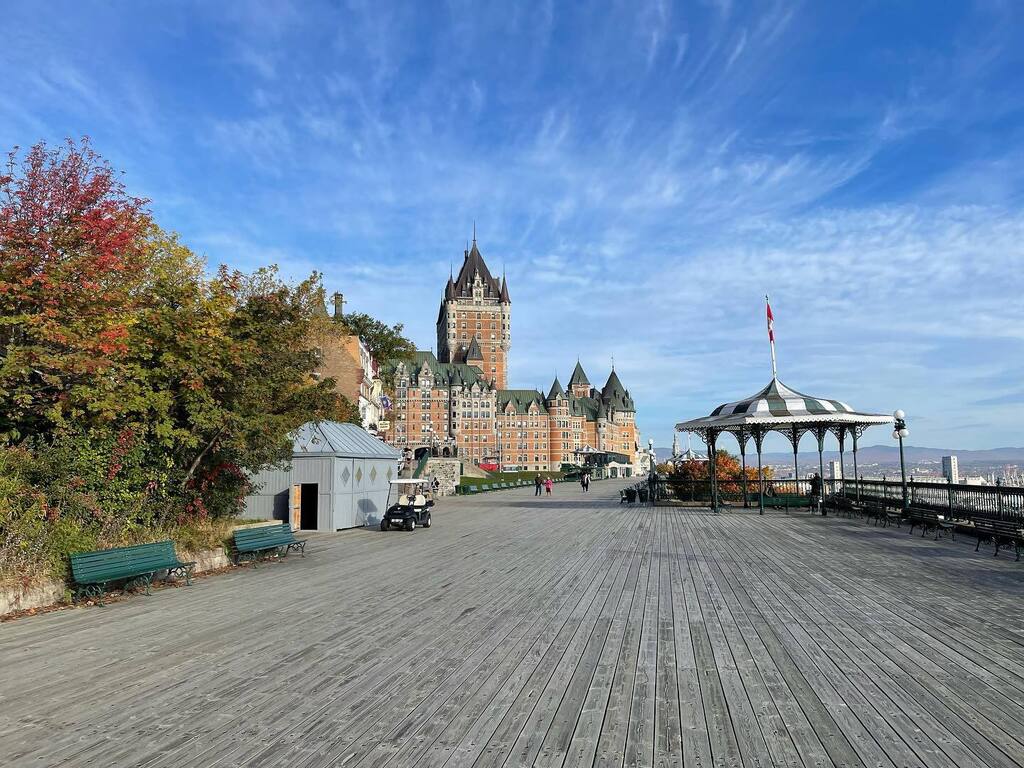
652 473
899 432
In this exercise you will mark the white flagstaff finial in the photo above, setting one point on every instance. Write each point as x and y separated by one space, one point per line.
771 334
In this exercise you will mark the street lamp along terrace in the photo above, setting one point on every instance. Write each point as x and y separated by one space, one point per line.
899 432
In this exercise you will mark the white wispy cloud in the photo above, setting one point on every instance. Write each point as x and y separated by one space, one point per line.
645 174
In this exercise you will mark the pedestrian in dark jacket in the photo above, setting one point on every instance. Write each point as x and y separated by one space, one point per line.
816 493
538 482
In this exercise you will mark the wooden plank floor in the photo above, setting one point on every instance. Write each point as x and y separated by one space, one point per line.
569 631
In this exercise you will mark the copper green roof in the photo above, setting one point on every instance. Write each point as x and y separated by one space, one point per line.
578 376
615 395
521 399
443 374
556 390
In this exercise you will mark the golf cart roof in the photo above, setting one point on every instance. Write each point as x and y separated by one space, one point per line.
409 481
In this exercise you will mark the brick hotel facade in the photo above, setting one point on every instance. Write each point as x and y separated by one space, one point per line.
458 402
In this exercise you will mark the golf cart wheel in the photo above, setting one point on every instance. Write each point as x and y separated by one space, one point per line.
411 525
383 525
426 523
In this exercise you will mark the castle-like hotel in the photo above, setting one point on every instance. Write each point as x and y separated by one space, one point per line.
457 403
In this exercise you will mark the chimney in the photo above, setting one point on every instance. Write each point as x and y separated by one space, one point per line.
338 300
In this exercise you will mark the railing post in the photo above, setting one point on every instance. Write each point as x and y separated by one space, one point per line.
999 496
949 494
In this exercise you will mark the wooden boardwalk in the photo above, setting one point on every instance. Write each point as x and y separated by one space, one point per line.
551 632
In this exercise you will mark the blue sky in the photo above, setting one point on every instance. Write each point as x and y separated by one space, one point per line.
644 172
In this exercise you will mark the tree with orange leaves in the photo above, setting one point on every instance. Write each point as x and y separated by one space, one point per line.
71 262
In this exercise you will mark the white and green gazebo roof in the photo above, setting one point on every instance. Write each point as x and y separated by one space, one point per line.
778 408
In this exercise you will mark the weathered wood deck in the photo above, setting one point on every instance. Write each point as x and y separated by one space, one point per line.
551 632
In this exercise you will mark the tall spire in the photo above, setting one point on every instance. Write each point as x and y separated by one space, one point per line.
474 231
504 297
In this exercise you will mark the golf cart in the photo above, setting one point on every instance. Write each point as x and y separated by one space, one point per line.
415 500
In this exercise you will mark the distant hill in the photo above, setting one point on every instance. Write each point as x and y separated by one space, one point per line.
881 454
886 454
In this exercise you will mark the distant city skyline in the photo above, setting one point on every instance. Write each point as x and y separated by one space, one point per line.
644 175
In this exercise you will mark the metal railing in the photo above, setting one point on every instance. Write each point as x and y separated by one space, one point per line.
951 499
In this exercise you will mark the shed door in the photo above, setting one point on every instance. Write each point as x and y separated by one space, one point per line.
296 507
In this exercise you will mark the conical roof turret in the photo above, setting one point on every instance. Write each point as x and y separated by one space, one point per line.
579 376
615 395
556 390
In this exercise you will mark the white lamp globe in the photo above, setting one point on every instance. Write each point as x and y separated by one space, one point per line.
904 432
895 434
898 414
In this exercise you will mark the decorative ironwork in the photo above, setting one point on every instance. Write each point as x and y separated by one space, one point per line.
791 414
182 570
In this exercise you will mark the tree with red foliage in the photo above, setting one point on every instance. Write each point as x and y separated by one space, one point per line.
71 260
728 472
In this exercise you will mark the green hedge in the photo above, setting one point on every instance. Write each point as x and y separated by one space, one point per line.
495 480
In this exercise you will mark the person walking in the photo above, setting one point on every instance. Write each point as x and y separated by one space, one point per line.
816 493
537 483
583 482
586 482
548 485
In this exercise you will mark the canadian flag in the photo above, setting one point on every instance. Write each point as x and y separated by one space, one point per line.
771 321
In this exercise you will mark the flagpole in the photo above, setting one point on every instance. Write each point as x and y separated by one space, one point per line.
771 333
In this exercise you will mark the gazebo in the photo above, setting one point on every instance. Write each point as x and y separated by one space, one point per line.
777 408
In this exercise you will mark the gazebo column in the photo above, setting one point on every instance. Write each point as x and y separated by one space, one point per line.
856 475
758 440
713 467
819 435
795 439
841 437
741 438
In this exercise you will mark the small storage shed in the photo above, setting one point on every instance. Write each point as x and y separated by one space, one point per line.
338 478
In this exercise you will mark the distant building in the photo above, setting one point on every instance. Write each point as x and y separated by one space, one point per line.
950 469
456 403
689 454
346 359
835 470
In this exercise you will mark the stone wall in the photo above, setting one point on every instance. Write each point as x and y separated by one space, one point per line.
448 473
50 592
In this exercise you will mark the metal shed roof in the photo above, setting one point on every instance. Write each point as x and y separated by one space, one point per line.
335 438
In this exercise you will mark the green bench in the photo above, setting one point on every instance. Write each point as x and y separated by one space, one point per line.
787 500
136 566
253 542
